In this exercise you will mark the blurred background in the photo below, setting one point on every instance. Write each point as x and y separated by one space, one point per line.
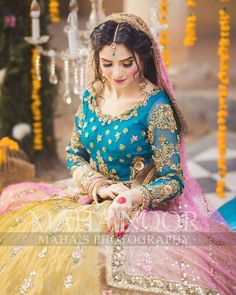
193 68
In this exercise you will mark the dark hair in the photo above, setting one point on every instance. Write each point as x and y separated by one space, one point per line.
135 40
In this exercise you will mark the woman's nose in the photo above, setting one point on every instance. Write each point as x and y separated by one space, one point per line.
117 72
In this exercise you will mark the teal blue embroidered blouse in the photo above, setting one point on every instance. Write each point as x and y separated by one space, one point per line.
121 146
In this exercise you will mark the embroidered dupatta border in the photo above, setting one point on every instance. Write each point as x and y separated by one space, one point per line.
118 278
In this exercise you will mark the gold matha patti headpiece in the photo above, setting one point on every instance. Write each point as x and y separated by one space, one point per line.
114 44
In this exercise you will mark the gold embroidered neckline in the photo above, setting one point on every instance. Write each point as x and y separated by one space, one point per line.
123 116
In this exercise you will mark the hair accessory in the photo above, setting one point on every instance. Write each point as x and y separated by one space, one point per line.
114 44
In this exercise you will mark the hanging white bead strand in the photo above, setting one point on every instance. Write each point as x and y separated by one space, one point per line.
81 78
83 53
67 96
53 79
76 78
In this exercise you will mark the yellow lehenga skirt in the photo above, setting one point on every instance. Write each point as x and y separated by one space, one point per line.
43 249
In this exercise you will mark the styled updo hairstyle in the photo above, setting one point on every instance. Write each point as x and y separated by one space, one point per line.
134 40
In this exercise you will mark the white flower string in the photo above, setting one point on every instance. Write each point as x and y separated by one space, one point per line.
37 66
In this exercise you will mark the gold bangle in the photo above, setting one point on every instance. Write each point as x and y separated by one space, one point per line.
145 196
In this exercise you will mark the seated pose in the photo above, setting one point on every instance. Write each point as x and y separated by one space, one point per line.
133 221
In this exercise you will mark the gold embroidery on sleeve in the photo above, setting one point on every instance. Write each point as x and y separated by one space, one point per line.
162 191
161 118
162 156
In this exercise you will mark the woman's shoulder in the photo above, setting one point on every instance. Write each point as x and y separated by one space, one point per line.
86 93
159 95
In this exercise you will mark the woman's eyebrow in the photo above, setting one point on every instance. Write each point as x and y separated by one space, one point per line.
107 60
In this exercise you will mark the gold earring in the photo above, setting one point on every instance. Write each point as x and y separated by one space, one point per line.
103 79
143 83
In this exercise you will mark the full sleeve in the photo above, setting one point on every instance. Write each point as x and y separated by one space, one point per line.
164 140
78 159
76 155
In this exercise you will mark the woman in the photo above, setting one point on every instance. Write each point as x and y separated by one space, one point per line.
129 170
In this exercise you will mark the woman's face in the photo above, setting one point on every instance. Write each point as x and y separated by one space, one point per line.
121 68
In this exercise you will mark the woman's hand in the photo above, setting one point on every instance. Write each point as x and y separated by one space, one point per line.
118 214
111 191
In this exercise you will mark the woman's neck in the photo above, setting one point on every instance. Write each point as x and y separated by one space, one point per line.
120 93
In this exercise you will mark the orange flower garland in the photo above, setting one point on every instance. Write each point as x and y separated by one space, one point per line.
164 35
223 52
36 103
190 27
7 144
54 11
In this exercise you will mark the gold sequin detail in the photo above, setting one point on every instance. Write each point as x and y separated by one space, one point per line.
86 134
102 167
91 120
117 136
99 138
104 149
110 159
116 127
133 138
122 147
107 132
121 160
94 128
91 145
125 130
139 149
85 125
109 141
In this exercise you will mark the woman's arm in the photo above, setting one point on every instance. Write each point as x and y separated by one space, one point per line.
77 158
164 140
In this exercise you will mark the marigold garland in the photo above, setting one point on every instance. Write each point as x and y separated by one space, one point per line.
7 144
54 11
223 53
190 27
164 35
36 103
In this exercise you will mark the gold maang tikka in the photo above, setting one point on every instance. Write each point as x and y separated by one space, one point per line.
114 44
